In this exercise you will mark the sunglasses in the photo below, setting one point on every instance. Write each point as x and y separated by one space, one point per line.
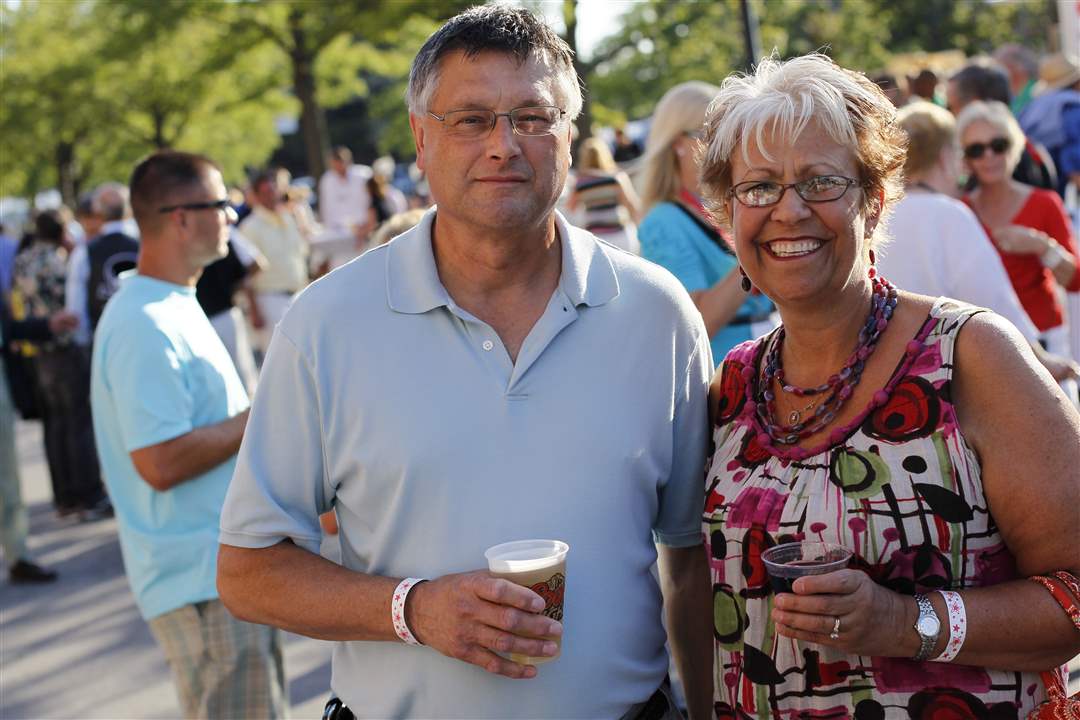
212 204
975 151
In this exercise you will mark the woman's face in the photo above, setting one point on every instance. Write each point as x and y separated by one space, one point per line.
795 250
990 167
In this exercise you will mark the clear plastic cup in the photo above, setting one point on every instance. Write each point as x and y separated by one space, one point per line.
789 561
539 565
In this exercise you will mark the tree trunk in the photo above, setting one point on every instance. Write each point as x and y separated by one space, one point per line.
160 143
584 120
66 175
312 118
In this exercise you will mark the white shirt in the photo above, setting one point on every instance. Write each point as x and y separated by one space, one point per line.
276 236
939 248
344 201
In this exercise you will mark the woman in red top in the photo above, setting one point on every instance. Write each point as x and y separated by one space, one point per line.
1028 225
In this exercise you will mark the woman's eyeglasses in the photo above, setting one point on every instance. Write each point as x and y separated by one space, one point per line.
974 151
818 189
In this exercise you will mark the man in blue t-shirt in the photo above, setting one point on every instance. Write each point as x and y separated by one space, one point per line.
169 412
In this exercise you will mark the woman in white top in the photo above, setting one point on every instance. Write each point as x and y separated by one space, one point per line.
938 246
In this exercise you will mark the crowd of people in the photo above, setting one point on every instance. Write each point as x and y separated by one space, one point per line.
849 301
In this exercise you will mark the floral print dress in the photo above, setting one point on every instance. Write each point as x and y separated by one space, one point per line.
903 490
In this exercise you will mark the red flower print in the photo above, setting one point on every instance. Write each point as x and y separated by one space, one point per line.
912 411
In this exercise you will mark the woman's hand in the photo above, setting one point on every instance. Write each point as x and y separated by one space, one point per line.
1017 239
874 620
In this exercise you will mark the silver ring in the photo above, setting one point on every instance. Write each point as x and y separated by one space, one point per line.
835 634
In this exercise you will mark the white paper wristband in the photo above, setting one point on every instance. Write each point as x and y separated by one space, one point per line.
397 610
957 626
1053 256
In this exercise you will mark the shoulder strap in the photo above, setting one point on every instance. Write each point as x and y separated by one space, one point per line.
706 228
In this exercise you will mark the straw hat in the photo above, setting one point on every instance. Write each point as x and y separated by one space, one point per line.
1056 72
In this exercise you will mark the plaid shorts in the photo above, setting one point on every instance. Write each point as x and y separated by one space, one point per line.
223 668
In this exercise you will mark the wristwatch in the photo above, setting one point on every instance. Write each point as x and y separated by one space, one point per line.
928 626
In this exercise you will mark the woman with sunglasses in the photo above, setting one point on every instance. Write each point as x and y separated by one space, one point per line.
1028 225
917 434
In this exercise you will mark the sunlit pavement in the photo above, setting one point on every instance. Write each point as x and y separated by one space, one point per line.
77 648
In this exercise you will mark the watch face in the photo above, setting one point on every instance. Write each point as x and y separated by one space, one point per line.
928 626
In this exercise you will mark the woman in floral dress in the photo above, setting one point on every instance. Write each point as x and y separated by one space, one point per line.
918 432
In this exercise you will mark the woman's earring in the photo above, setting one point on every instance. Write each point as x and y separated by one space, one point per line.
745 282
872 272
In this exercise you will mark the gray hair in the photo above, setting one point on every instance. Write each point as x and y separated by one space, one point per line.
495 28
1020 57
110 201
784 97
997 115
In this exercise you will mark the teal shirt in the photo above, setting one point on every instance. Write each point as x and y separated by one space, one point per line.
159 371
675 242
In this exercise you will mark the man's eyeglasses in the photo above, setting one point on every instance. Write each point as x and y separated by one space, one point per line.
530 121
818 189
209 205
999 145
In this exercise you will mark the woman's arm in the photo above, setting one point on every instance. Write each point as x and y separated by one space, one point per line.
1027 436
628 196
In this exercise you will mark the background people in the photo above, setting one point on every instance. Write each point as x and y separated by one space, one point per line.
679 235
939 440
169 413
604 198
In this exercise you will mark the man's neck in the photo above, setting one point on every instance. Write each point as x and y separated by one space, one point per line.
167 267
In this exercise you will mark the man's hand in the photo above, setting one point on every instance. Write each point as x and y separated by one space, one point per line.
63 321
474 616
1060 368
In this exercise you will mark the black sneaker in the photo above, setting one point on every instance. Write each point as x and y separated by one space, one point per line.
25 571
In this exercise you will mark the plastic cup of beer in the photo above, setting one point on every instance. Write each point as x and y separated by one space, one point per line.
539 565
789 561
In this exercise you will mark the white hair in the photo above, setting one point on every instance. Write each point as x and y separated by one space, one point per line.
997 115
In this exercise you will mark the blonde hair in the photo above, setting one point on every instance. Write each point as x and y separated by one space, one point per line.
784 97
998 115
680 110
395 225
930 129
594 155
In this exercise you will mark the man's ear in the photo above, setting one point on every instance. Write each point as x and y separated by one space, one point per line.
418 138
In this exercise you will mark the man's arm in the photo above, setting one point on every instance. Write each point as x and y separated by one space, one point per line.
167 464
468 616
684 579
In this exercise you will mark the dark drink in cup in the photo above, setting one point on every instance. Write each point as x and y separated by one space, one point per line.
790 561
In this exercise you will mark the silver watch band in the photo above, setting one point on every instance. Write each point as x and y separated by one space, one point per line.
928 641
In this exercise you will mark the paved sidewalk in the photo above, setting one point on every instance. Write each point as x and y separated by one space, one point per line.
77 648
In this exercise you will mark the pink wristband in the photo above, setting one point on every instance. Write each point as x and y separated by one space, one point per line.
397 610
957 626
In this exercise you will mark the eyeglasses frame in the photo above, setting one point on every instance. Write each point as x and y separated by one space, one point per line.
784 187
508 115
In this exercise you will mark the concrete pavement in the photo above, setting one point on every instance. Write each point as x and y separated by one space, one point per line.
77 648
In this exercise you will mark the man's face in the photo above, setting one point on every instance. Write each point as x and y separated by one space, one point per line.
269 192
338 165
500 180
206 230
953 100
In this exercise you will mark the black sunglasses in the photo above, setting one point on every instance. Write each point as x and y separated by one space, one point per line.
975 151
210 205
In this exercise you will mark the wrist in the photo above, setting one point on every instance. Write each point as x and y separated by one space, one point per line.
907 641
399 611
412 611
1053 255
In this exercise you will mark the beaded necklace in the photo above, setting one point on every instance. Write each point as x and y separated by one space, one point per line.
839 386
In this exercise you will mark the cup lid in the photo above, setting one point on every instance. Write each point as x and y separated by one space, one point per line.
525 555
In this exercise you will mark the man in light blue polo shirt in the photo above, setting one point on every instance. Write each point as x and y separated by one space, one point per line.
169 411
492 375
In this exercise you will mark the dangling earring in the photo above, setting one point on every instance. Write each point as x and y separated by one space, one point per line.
872 272
745 282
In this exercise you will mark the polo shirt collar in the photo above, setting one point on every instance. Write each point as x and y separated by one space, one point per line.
413 285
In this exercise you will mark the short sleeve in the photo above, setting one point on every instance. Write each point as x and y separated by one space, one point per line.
666 242
682 498
279 488
148 359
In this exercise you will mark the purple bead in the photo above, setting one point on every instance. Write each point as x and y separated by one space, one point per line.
914 346
864 352
845 373
882 324
845 393
828 418
748 373
881 397
836 437
888 311
769 396
763 439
